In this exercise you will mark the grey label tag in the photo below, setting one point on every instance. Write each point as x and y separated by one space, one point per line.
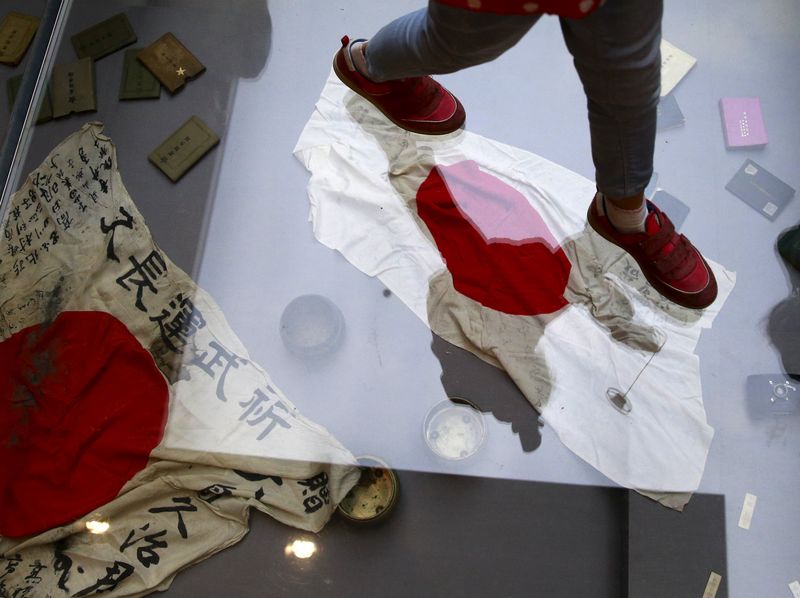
672 207
760 189
669 114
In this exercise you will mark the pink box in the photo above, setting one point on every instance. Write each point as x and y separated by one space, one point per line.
742 122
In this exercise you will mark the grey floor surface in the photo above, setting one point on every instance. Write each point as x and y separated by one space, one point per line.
239 224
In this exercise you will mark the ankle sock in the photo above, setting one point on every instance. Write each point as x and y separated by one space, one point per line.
359 57
626 221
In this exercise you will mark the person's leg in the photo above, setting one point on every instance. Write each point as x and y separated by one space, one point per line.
617 54
441 39
392 69
616 51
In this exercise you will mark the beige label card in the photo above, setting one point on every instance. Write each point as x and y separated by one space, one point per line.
675 64
184 148
16 33
712 586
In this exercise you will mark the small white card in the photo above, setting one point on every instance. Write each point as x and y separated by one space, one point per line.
747 510
675 63
795 588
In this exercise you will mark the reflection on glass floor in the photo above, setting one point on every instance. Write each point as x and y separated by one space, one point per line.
490 502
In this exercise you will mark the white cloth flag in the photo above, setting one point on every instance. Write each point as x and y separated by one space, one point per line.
368 188
83 451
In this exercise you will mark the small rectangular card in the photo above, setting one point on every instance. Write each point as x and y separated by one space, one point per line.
742 122
672 207
104 38
73 87
184 148
760 189
712 587
749 506
16 33
46 107
669 113
675 63
170 61
137 82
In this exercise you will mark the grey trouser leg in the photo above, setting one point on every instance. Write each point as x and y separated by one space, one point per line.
616 54
441 39
616 51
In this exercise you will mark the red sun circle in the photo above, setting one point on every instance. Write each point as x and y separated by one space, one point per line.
523 274
82 405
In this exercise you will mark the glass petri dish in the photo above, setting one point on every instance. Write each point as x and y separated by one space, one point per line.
454 429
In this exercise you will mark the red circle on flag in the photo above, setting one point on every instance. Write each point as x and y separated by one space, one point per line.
81 407
497 247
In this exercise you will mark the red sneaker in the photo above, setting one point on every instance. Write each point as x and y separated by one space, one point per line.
417 104
668 260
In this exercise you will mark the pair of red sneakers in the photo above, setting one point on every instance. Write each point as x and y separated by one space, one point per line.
669 261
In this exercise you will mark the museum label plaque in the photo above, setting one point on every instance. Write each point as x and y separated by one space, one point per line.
137 82
184 148
104 38
16 33
73 88
170 61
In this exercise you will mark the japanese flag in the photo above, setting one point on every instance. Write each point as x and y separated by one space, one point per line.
488 244
128 407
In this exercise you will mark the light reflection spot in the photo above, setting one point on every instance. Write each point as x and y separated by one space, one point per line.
302 549
97 527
